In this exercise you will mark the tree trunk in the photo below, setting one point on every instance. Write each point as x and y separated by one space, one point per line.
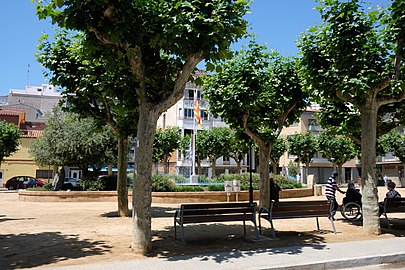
122 189
305 178
166 165
264 185
238 166
274 168
109 168
142 194
198 166
340 176
214 167
371 220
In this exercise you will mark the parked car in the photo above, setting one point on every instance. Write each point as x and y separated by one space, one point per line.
18 182
71 183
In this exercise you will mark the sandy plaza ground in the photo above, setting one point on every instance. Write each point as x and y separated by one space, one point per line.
49 234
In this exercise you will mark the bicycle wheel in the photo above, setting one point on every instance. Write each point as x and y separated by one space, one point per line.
351 211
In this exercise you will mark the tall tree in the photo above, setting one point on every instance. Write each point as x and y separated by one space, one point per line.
94 88
10 137
162 41
166 141
337 149
70 141
258 93
304 146
353 60
278 149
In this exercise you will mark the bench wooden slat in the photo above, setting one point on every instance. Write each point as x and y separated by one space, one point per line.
296 209
215 212
217 218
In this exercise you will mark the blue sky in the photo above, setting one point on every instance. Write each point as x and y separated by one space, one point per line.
278 23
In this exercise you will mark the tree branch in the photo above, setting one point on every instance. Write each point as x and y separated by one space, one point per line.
181 80
248 131
343 97
392 99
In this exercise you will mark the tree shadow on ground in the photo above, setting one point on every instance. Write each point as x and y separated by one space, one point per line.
222 242
156 212
45 248
9 219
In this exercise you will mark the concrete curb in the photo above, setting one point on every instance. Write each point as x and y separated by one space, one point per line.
345 263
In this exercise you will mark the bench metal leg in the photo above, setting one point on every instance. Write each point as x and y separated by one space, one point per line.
317 223
273 231
388 222
256 230
244 228
175 230
260 226
182 234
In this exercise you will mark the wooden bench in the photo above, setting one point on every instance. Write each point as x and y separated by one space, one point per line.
296 209
215 212
393 205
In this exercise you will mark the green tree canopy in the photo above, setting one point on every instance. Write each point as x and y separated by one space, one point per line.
258 93
304 146
166 141
353 61
10 137
337 149
393 142
68 140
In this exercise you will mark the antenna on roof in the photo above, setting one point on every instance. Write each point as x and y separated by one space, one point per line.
28 73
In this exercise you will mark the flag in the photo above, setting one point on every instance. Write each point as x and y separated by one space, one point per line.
197 113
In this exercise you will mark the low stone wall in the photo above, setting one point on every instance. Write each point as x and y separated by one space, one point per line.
157 197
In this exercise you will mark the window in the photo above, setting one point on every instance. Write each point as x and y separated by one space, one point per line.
312 122
204 115
225 159
188 113
43 174
189 94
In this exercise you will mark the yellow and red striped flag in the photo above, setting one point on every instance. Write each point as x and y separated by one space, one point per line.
197 113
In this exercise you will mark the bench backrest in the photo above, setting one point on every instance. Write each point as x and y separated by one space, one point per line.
294 209
216 212
394 204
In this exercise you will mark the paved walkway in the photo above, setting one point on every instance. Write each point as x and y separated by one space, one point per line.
320 256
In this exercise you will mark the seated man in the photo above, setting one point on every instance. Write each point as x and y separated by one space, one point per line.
352 195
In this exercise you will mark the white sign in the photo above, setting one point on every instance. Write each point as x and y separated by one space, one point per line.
236 185
228 186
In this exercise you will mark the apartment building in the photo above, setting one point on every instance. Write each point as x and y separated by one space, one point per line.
182 115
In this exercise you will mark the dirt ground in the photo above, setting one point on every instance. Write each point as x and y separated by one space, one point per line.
49 234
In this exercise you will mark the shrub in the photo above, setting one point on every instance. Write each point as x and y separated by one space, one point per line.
286 183
92 184
244 179
162 183
215 187
188 188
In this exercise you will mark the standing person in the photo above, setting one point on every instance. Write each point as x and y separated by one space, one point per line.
274 190
331 187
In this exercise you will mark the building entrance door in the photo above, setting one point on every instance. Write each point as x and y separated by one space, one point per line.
75 174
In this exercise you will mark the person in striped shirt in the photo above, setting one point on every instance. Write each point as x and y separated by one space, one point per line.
330 190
